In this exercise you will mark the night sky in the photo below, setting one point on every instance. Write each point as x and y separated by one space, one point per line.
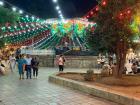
46 8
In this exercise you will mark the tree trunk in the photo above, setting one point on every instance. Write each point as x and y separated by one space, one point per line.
120 57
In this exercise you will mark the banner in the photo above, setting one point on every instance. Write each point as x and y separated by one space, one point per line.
38 52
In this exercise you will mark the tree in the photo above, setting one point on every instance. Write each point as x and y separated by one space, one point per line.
2 44
6 17
113 33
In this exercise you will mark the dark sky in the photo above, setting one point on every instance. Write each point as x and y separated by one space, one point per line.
46 8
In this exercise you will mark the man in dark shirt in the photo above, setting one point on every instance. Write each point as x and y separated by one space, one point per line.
35 64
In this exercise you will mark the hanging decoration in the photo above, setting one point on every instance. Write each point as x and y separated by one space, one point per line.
37 33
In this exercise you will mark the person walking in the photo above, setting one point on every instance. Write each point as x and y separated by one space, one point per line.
134 68
28 66
61 62
21 66
35 64
12 61
2 68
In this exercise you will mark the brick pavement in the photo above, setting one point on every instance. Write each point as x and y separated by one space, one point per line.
40 92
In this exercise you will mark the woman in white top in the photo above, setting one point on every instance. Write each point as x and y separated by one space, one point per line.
12 61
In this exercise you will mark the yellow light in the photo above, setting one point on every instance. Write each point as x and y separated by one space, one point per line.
137 20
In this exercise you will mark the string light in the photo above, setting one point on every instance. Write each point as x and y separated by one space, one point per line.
91 13
121 14
14 9
128 11
59 12
27 16
1 3
57 7
104 3
20 11
33 17
97 8
55 1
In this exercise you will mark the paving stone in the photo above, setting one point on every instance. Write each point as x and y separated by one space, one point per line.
40 92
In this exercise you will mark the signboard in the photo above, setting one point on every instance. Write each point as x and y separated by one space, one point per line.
38 52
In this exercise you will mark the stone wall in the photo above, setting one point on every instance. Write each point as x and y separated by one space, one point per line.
80 61
71 61
46 60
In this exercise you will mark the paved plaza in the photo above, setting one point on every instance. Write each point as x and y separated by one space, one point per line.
40 92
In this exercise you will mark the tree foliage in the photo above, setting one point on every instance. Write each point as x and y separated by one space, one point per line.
6 16
2 44
111 27
113 33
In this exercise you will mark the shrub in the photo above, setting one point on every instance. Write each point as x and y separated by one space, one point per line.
106 71
89 75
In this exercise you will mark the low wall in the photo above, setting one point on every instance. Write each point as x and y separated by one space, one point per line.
95 91
80 61
71 61
46 60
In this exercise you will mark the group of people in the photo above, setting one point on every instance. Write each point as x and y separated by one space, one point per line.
27 64
135 65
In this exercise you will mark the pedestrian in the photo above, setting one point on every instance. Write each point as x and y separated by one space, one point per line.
35 64
21 66
61 62
12 61
114 69
2 68
134 68
98 63
28 66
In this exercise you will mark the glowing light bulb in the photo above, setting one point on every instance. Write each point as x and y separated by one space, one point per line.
55 1
1 3
57 7
14 9
20 11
